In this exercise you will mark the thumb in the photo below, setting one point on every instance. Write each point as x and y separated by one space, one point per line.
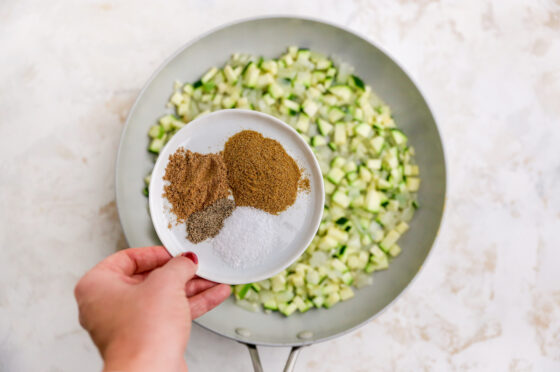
177 271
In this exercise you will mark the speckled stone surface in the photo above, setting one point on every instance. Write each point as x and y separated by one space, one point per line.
487 300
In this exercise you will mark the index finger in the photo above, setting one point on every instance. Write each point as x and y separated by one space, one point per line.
136 260
208 299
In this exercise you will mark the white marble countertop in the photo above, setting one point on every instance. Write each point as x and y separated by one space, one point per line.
489 297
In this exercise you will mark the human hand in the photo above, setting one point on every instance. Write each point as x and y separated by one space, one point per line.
137 306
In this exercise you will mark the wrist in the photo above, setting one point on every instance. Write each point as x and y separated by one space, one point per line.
119 358
141 364
123 361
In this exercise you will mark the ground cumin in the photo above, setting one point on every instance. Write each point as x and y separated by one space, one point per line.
260 172
304 185
195 182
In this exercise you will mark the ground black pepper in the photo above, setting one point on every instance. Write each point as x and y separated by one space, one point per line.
207 223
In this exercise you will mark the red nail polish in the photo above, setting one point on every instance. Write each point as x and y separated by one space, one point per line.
191 256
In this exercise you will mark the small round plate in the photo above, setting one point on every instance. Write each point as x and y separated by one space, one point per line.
208 134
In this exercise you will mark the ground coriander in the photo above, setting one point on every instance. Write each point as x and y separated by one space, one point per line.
195 182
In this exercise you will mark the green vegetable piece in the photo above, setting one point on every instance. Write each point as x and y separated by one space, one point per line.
341 250
243 292
357 82
341 221
156 131
209 86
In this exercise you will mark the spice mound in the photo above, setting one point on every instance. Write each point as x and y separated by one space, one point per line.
196 181
207 223
304 185
260 172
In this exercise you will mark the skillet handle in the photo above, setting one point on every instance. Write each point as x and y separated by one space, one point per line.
257 365
291 363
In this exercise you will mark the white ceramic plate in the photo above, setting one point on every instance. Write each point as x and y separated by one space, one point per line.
298 224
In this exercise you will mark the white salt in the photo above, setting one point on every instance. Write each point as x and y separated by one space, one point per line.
248 235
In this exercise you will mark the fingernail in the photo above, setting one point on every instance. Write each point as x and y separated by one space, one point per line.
191 256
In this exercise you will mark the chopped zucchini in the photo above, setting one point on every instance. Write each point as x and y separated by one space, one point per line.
363 130
368 166
302 124
310 108
343 92
341 199
318 141
413 184
335 175
209 75
339 134
157 145
357 82
324 127
156 131
336 114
